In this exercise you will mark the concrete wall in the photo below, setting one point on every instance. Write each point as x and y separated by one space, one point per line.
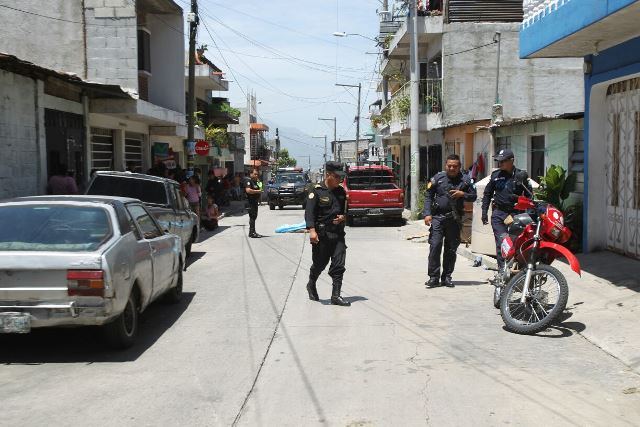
22 137
557 141
112 42
527 87
47 42
166 84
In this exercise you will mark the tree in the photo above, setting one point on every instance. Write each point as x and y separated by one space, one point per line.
284 160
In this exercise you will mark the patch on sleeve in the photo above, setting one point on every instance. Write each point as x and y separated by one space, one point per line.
312 195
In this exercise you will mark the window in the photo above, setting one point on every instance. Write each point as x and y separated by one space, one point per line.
576 159
101 149
537 156
503 143
148 191
144 50
146 224
133 152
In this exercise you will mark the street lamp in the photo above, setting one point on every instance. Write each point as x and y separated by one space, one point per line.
334 132
343 34
325 147
359 86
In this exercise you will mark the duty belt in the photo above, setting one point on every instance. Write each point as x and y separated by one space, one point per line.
503 208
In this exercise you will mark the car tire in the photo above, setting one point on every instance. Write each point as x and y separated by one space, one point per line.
174 295
272 206
123 331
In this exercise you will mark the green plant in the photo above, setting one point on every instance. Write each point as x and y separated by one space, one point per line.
217 136
197 119
556 186
422 194
284 160
227 108
402 105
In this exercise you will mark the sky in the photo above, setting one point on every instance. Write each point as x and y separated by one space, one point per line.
284 52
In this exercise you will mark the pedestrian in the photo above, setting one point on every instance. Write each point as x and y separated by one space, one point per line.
211 214
325 218
502 193
253 198
443 210
194 194
61 183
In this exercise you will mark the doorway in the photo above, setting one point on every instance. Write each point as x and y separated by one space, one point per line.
65 143
537 157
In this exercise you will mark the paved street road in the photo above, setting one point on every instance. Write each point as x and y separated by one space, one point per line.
246 346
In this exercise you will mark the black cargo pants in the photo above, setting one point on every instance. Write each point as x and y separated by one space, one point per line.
252 208
325 250
443 230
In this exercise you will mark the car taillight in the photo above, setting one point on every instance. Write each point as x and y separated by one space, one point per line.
402 197
85 283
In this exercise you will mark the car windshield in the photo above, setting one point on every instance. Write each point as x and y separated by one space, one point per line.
53 228
148 191
290 179
370 179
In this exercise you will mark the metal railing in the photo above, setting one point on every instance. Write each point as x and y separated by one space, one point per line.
537 9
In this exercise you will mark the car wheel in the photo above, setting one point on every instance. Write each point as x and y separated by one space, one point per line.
272 206
174 295
123 331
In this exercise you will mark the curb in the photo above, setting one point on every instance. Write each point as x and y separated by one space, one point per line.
487 261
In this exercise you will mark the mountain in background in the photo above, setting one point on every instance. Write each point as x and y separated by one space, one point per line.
300 145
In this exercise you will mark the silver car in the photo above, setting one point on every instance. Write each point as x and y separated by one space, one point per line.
84 260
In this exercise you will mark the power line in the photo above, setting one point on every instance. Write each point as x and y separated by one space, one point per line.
469 50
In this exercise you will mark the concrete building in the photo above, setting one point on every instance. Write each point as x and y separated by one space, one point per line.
256 148
43 122
605 36
457 56
136 45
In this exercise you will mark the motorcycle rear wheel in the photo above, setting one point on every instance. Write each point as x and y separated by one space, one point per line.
538 311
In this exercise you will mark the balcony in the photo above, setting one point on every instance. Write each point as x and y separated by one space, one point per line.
572 28
221 112
395 118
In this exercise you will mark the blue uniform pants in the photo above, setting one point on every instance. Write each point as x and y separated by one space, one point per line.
499 228
447 231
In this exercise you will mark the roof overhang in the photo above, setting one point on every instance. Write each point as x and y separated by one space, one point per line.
137 110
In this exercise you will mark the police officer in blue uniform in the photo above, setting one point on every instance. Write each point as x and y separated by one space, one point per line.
443 211
253 200
325 220
504 189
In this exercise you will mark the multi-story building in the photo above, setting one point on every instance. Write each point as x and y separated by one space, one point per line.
460 88
605 36
256 148
135 45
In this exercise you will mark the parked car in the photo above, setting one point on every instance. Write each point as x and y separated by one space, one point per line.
83 260
288 188
161 195
372 192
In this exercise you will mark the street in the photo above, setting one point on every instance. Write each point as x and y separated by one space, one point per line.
247 347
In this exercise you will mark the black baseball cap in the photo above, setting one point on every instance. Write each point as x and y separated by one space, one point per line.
334 167
504 155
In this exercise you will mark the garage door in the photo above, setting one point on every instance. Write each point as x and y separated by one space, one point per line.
623 167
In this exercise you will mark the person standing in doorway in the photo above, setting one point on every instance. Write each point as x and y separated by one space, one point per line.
61 183
325 220
253 199
443 210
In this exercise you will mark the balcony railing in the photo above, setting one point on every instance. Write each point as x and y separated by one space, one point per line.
537 9
398 110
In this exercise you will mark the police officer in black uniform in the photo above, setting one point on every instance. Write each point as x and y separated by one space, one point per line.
325 218
504 189
253 199
443 211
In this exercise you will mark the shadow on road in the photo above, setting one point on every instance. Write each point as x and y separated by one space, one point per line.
194 257
86 345
205 235
352 299
561 328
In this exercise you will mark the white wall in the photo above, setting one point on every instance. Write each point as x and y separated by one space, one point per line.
166 84
22 137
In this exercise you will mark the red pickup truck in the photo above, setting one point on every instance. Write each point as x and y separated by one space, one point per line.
372 192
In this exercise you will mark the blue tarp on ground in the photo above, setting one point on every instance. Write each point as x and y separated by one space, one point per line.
290 228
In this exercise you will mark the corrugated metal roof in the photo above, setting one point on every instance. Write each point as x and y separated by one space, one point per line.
485 11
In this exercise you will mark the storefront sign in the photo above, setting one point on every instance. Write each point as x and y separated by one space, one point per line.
202 147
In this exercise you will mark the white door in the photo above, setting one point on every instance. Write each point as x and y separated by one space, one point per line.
623 167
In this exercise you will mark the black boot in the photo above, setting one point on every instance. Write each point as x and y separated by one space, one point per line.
446 281
311 289
336 299
433 282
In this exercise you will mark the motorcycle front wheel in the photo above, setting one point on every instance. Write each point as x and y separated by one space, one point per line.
545 301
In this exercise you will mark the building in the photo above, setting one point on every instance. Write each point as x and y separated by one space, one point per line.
135 45
256 147
43 122
463 101
605 35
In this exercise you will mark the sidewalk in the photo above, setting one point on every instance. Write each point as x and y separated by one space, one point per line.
604 303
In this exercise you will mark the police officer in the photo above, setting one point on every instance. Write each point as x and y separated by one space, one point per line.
253 199
325 218
504 189
443 210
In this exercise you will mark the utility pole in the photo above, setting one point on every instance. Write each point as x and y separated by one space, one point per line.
496 39
277 147
415 105
358 118
334 137
193 20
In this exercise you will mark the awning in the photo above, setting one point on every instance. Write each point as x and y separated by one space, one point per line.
258 163
257 127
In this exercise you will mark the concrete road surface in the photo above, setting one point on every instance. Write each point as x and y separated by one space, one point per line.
247 347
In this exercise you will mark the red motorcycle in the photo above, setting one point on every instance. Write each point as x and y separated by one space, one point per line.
535 296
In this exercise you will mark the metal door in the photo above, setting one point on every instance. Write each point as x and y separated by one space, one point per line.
65 143
623 167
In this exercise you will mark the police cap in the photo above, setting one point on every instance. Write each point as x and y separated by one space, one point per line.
504 155
335 167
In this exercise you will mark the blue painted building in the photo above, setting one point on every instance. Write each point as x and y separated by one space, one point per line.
606 33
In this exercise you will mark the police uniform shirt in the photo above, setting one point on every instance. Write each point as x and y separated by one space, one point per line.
254 186
323 205
504 190
438 193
